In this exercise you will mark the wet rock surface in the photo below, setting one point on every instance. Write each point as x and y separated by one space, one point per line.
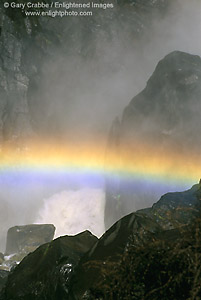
151 254
142 245
3 278
45 273
165 268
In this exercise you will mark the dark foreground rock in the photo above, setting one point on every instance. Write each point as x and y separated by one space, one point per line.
138 258
166 268
176 209
152 254
3 278
45 273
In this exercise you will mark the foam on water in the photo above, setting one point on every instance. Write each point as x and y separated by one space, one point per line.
73 211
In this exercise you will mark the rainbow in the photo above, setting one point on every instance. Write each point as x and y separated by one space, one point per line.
89 163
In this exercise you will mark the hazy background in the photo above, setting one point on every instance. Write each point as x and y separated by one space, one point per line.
86 94
82 97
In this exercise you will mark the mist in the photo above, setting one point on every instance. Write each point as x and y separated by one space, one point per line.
77 100
59 210
83 94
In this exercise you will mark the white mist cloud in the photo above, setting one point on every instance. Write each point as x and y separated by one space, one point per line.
73 211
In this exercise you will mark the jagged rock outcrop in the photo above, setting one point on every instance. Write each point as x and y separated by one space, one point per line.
176 209
166 268
163 120
150 253
45 273
165 223
100 259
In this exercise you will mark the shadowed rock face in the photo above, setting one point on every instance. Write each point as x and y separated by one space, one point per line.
165 118
176 209
166 222
169 103
21 238
45 273
150 242
3 278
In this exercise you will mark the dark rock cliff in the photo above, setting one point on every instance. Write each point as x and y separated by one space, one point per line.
29 44
165 117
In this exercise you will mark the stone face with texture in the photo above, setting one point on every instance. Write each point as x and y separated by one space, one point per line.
167 223
45 273
21 238
162 120
3 278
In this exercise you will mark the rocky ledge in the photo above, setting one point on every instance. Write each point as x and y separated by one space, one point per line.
150 254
